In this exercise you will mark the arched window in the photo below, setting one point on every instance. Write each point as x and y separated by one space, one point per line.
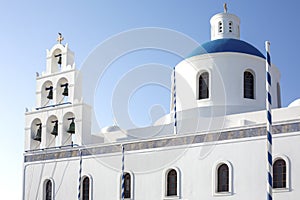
172 183
279 174
223 178
86 188
48 190
248 85
127 185
204 85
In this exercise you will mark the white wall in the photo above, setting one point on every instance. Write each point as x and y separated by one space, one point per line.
195 162
226 83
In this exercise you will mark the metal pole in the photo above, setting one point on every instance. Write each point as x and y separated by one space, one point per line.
123 175
174 101
269 123
80 171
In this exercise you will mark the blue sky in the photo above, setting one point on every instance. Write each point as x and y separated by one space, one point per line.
30 27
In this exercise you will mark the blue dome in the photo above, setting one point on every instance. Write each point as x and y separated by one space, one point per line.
226 45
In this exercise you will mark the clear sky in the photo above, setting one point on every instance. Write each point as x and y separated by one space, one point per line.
30 27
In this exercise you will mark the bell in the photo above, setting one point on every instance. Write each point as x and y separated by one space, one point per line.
66 89
55 128
38 136
71 129
50 94
59 60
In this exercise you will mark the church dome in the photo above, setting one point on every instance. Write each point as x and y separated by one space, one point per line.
295 103
108 129
226 45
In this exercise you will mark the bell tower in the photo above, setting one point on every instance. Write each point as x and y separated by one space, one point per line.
59 119
225 25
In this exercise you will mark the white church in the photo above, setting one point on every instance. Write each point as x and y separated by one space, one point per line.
217 150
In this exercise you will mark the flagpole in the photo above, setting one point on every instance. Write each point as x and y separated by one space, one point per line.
269 123
174 101
123 175
80 171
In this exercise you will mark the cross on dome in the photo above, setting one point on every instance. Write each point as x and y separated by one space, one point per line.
225 7
59 38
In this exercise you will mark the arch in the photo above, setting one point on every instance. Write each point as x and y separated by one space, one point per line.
46 93
67 136
249 84
48 190
51 131
62 90
281 173
36 133
85 189
203 85
128 185
223 178
172 182
56 59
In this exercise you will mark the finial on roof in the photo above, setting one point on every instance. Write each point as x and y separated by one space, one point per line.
225 7
60 38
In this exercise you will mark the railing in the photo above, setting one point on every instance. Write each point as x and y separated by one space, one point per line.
49 106
51 148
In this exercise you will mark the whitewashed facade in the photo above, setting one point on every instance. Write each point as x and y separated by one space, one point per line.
219 151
